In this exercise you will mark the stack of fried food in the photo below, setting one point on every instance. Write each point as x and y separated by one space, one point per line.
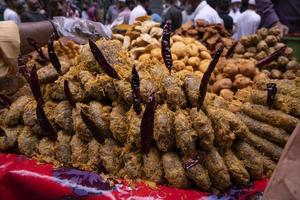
90 118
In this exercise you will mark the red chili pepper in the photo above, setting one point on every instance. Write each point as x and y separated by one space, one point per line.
231 50
206 76
99 57
271 57
272 90
52 55
47 129
37 47
35 86
136 95
69 94
147 124
165 45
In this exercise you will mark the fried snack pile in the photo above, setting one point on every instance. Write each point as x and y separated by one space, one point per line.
88 120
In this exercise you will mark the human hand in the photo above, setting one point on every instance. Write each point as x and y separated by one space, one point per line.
284 30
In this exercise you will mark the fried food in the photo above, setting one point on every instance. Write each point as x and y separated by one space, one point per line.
81 129
16 111
46 150
191 86
118 123
63 117
93 155
57 92
134 133
9 140
152 166
92 85
27 142
132 164
79 148
63 149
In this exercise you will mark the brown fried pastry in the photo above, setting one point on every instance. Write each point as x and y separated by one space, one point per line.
132 164
27 142
63 149
9 140
118 123
79 148
16 110
152 166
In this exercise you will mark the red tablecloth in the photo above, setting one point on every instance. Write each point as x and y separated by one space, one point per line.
23 178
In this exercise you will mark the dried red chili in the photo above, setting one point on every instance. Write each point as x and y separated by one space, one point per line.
52 55
135 87
35 86
69 94
32 42
271 57
206 76
231 50
272 90
165 45
147 124
47 129
99 57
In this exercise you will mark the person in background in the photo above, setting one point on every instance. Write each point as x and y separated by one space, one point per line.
244 6
14 8
139 10
172 12
187 13
112 13
235 10
33 13
56 8
248 22
223 9
123 6
212 3
283 13
84 14
92 12
203 11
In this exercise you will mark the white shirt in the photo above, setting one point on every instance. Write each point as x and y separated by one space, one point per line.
207 13
138 11
9 14
247 24
234 15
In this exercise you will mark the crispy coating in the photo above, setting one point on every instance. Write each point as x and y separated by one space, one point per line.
57 90
236 168
273 117
93 155
191 86
147 87
134 131
203 126
79 156
174 171
217 170
132 164
16 110
266 131
92 84
46 150
123 88
9 140
110 155
27 142
63 149
184 133
268 165
252 160
163 128
83 132
173 92
47 74
285 103
215 101
63 117
152 166
118 123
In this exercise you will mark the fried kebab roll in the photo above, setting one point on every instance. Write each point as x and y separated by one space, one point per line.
123 88
110 154
28 142
63 149
273 117
203 127
63 117
185 135
268 165
173 93
174 170
285 103
16 111
152 166
94 162
148 87
119 123
236 168
163 128
9 140
92 85
134 133
132 164
266 131
217 169
226 125
46 150
79 148
57 92
252 160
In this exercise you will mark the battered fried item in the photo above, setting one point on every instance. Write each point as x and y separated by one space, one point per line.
217 170
147 87
132 164
173 92
57 92
174 171
46 150
252 160
215 101
199 175
108 85
79 126
184 133
110 155
191 86
163 128
100 115
27 142
203 126
263 145
9 140
47 74
63 117
16 110
79 148
92 85
63 149
269 166
152 166
134 131
273 117
266 131
236 168
118 123
285 103
93 155
123 88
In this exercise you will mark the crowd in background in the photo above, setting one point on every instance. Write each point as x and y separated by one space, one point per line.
238 16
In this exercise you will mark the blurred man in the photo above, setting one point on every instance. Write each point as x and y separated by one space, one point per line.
92 12
56 8
139 10
248 22
14 8
112 13
33 14
283 13
235 10
124 10
223 9
172 12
